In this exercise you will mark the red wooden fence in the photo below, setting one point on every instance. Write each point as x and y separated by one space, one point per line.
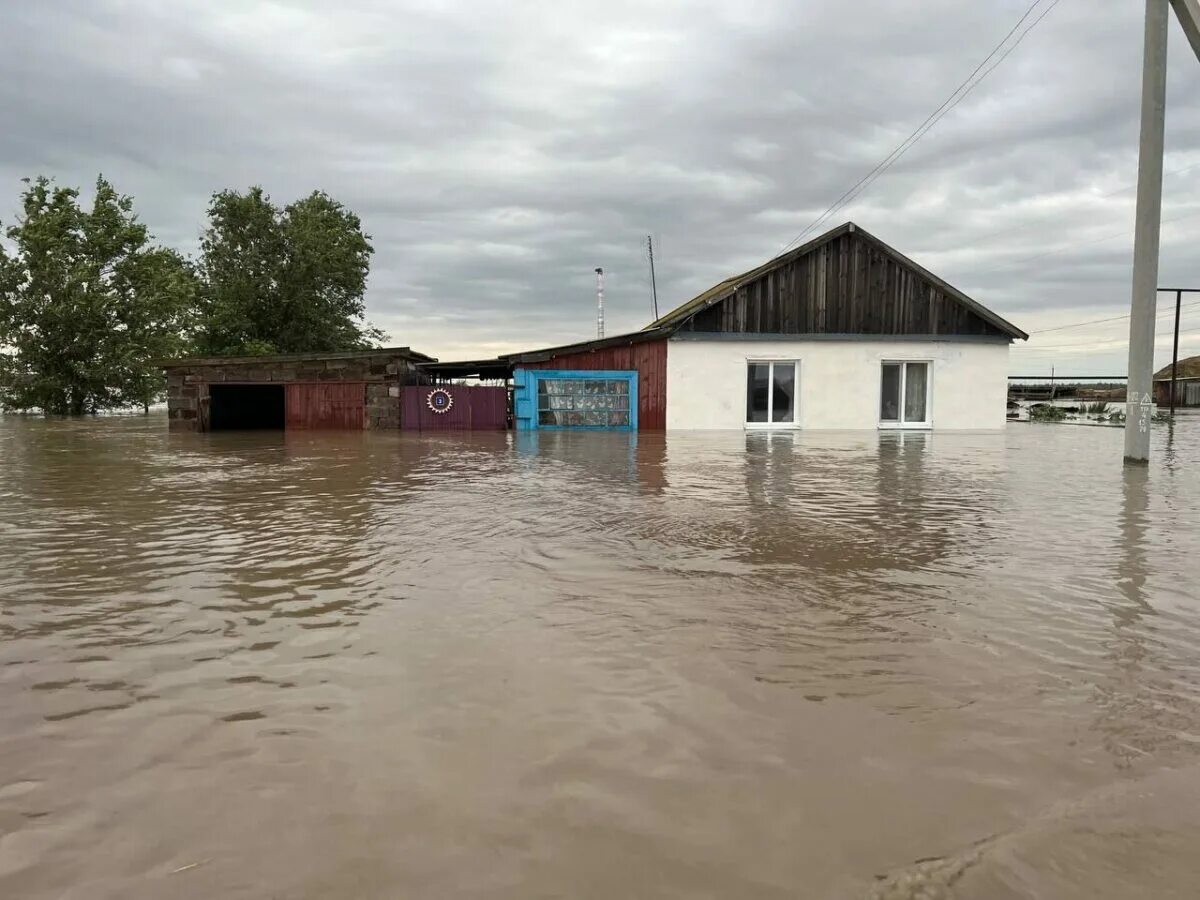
474 408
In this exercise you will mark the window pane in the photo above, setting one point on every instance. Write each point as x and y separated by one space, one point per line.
583 402
758 378
916 380
889 400
783 390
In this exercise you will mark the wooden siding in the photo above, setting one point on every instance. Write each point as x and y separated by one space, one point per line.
849 285
648 359
475 408
331 405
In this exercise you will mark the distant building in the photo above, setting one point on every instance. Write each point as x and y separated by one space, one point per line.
843 332
1187 383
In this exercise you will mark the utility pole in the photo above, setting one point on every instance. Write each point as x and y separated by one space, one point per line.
1175 349
1143 305
1143 302
1179 292
653 283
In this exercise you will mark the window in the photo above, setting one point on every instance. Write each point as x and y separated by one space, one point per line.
771 393
904 395
583 403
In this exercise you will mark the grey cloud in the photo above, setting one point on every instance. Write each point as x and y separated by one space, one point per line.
498 152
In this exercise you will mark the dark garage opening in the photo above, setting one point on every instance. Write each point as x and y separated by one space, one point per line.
245 406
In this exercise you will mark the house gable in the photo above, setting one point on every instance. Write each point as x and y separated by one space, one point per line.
846 282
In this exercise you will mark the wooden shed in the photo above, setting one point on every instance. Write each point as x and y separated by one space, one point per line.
348 390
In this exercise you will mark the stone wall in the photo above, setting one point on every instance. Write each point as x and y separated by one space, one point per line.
188 381
383 405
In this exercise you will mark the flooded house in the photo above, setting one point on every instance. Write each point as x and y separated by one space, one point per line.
1187 383
843 332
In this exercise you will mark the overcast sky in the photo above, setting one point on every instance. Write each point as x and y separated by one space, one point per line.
499 152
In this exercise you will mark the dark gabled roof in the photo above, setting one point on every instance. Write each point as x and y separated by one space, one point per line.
1188 368
405 352
727 288
618 340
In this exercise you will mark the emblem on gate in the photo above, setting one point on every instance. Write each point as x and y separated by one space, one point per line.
439 400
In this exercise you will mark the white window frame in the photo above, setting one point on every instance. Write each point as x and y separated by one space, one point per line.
769 425
927 424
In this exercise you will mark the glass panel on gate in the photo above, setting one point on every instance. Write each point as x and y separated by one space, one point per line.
583 403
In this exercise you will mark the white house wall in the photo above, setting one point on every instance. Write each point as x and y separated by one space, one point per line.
839 381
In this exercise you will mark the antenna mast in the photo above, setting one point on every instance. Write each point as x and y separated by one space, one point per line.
653 283
599 302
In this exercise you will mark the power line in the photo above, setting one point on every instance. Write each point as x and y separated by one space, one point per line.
913 136
956 97
1111 319
1085 343
1033 350
1085 346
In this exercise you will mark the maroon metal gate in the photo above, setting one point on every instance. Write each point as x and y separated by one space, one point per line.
452 407
331 405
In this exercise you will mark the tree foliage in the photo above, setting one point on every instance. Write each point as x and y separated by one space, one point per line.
86 301
287 280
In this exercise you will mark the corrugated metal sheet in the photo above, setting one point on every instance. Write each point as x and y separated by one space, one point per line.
648 359
332 405
476 408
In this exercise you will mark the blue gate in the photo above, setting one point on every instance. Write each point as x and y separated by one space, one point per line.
575 399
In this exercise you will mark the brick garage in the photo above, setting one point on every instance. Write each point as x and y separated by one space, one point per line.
350 390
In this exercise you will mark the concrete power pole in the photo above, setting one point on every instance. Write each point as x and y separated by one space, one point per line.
1143 306
1149 218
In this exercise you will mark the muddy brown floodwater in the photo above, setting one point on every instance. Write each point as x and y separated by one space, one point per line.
597 666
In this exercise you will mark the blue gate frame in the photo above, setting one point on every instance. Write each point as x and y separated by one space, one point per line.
525 396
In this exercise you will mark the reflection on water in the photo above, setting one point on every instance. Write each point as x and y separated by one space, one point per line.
597 665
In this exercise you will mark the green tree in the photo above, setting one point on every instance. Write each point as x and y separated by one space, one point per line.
86 301
285 280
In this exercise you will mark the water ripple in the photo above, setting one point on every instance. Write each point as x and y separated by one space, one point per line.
603 665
